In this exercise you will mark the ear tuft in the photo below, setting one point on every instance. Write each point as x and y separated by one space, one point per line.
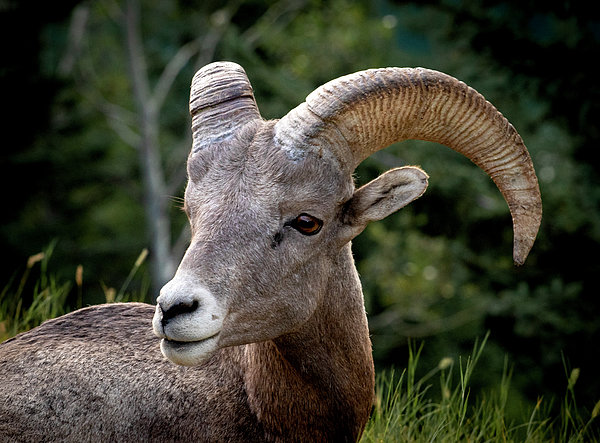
385 195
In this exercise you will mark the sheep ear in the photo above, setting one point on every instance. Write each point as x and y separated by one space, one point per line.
385 195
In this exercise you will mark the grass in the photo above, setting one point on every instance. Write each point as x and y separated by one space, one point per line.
406 409
47 296
437 407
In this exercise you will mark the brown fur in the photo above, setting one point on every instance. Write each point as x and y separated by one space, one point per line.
97 375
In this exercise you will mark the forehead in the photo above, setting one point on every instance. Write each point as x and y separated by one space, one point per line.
255 170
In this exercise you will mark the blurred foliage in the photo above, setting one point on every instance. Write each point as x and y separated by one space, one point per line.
440 269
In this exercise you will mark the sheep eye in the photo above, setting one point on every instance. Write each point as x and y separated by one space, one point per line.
307 224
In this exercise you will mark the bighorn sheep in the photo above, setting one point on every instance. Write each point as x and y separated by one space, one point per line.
263 326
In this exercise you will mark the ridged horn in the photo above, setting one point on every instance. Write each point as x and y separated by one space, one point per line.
221 101
361 113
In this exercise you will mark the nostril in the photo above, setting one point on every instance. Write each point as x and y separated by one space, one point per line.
178 309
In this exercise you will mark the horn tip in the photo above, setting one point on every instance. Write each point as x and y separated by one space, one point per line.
526 227
521 249
519 257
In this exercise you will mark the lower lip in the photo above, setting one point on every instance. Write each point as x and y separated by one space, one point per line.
177 345
189 353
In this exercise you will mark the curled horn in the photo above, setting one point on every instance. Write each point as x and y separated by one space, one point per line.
221 101
361 113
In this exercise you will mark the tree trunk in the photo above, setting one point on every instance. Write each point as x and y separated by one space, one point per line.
155 195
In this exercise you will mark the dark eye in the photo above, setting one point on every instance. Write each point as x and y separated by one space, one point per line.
306 224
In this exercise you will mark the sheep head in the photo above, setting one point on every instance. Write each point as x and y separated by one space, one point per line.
272 203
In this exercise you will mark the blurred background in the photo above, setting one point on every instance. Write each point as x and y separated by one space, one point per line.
95 132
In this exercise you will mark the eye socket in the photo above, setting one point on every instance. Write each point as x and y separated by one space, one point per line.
306 224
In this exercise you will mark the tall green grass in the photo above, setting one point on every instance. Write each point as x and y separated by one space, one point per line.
48 297
38 295
437 407
407 410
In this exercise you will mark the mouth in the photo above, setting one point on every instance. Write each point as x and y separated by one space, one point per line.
189 353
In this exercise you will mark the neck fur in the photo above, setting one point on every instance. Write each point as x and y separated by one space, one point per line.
317 383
